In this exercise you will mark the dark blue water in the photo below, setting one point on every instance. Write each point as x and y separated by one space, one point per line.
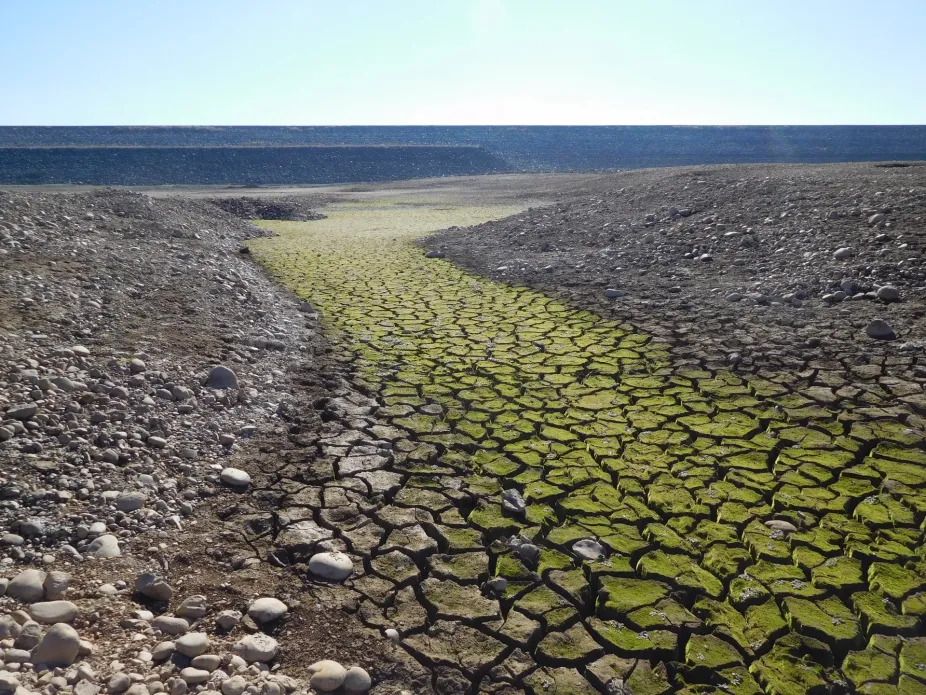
536 148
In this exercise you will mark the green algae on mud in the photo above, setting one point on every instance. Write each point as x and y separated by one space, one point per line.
674 470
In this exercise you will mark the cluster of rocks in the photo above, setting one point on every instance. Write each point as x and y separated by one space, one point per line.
113 422
276 208
141 357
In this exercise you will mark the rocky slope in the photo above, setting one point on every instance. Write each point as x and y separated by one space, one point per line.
148 370
759 265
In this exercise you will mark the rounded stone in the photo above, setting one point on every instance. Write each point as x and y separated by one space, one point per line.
221 377
192 644
266 609
51 612
163 651
880 330
59 647
235 477
104 546
357 681
193 676
327 675
28 586
333 566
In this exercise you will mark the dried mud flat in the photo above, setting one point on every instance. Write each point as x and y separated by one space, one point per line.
537 489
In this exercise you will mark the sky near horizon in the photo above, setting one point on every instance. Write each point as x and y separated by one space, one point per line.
462 62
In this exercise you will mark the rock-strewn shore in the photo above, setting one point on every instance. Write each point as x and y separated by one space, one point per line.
147 370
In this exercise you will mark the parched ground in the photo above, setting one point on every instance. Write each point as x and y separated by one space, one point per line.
541 489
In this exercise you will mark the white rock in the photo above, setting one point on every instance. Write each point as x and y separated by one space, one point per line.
235 477
130 501
163 651
266 609
327 675
333 566
56 585
781 525
171 625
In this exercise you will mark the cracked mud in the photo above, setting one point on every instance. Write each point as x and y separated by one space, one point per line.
541 500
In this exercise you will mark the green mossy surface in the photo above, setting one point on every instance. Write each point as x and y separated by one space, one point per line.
674 468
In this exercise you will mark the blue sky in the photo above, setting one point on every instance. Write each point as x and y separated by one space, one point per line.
389 62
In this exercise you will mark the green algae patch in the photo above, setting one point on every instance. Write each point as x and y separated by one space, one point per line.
679 471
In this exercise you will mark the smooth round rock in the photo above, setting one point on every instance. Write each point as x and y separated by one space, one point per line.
59 647
327 675
208 662
221 377
104 546
256 648
51 612
612 293
880 330
333 566
434 254
163 651
267 609
235 477
357 681
194 675
28 586
228 620
192 644
842 253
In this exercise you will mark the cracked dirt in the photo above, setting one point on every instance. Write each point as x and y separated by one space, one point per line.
750 531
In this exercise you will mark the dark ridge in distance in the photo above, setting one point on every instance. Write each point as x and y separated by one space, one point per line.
154 166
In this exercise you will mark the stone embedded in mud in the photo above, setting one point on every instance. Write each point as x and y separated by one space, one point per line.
589 549
434 254
333 566
513 502
614 294
222 377
235 477
880 330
